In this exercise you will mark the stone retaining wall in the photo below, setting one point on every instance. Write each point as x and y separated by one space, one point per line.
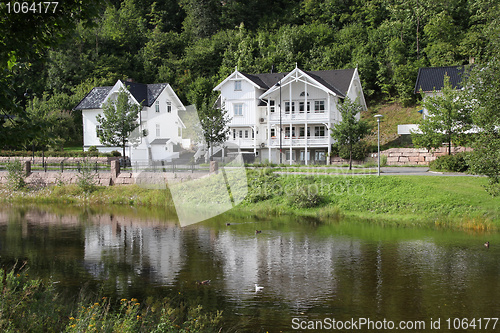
416 156
114 177
38 160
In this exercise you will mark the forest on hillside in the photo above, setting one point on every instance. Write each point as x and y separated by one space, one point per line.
194 44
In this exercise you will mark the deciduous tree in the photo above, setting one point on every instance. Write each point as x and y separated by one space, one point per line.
350 129
118 121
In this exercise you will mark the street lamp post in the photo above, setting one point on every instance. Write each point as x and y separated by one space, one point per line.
378 116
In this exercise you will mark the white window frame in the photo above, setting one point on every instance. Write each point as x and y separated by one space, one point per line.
237 85
238 109
319 106
318 130
157 106
169 106
272 105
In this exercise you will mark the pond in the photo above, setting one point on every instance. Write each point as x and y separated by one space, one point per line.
342 274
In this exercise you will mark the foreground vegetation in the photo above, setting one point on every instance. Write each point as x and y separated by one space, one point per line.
459 202
33 305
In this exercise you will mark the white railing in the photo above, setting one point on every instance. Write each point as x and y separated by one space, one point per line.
300 141
301 116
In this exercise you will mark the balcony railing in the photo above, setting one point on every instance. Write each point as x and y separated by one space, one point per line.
300 141
299 116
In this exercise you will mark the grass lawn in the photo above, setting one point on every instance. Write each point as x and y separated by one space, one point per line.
78 148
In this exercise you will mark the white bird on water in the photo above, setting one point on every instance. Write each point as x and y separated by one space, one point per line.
258 288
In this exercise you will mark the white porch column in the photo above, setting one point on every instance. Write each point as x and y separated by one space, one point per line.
328 128
305 110
254 131
290 114
268 116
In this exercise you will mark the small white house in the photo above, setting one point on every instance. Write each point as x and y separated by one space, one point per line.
287 116
430 82
159 135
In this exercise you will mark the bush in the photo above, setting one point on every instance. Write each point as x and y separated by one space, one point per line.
359 151
303 198
116 153
15 175
453 163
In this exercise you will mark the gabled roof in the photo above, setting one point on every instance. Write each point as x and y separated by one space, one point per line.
94 98
337 81
145 93
432 78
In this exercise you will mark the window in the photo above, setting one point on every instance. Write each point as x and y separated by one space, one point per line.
301 107
246 134
98 130
169 106
287 107
273 133
319 106
157 130
238 109
319 155
241 134
237 85
272 105
287 131
234 134
287 155
157 106
302 131
319 131
303 155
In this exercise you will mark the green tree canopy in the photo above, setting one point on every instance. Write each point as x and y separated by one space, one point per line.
214 123
448 119
118 121
350 129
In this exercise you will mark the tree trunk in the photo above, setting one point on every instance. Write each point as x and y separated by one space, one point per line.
350 156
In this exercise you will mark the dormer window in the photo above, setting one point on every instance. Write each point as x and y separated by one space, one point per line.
237 85
169 106
157 106
302 94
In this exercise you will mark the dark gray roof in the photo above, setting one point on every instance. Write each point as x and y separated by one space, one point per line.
432 78
94 98
159 141
145 93
337 81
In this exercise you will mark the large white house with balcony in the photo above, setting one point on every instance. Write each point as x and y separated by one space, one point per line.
159 134
286 117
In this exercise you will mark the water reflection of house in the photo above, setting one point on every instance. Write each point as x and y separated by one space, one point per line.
156 249
287 266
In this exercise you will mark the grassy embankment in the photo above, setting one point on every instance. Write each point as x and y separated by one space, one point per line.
459 202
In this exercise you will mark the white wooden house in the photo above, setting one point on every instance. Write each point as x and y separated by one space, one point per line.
288 112
430 82
159 134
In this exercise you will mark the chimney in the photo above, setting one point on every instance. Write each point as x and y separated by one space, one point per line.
272 68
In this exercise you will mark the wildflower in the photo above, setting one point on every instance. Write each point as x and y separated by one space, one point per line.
71 318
